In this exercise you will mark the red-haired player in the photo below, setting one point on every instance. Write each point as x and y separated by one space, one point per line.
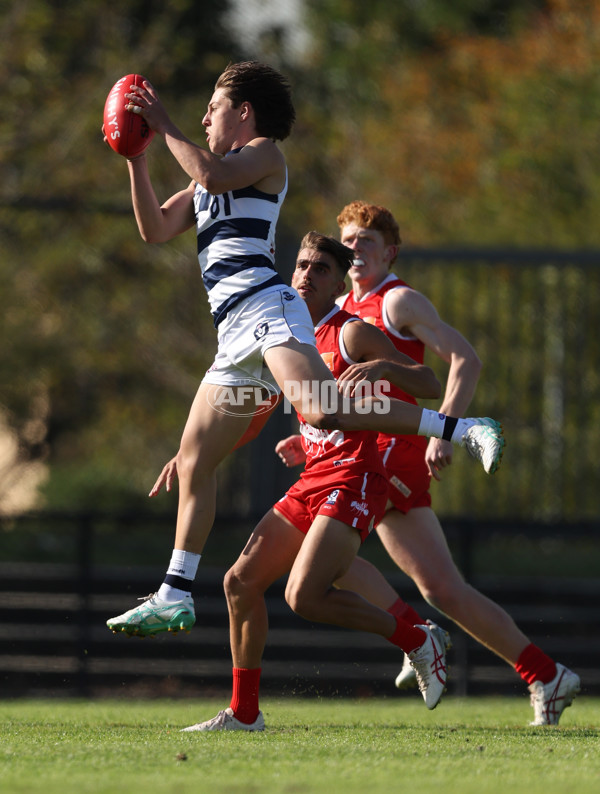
410 530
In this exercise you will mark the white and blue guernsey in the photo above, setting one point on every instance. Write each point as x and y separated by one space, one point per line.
236 244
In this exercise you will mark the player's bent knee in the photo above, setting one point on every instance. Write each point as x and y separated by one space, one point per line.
303 602
231 584
192 467
236 589
241 590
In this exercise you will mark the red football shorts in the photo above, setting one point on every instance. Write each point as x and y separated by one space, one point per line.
357 500
408 474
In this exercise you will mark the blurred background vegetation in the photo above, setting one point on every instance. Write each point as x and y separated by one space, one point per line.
476 122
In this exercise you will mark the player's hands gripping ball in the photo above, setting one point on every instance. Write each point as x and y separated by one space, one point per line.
126 131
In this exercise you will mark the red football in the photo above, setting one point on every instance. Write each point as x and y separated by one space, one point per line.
127 133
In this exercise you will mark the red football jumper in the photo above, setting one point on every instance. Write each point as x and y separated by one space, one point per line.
343 476
403 456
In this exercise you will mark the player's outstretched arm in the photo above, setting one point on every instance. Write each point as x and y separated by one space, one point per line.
412 312
157 223
378 359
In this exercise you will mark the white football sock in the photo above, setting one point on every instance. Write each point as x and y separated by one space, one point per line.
182 569
436 425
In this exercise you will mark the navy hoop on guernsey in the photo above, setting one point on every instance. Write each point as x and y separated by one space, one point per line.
236 244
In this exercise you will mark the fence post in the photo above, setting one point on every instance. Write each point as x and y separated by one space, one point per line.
85 530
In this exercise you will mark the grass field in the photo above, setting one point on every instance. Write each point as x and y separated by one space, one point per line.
481 745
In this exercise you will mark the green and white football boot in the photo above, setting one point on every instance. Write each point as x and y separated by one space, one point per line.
155 615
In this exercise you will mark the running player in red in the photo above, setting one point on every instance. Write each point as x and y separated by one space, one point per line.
410 530
314 532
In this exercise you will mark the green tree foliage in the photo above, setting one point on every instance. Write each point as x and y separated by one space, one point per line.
100 332
475 121
485 133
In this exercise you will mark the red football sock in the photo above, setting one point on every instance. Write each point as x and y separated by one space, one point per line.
534 665
406 636
244 698
400 609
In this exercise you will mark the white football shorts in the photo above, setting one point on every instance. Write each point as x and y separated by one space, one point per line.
264 320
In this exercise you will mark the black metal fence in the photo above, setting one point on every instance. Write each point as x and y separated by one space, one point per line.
55 642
